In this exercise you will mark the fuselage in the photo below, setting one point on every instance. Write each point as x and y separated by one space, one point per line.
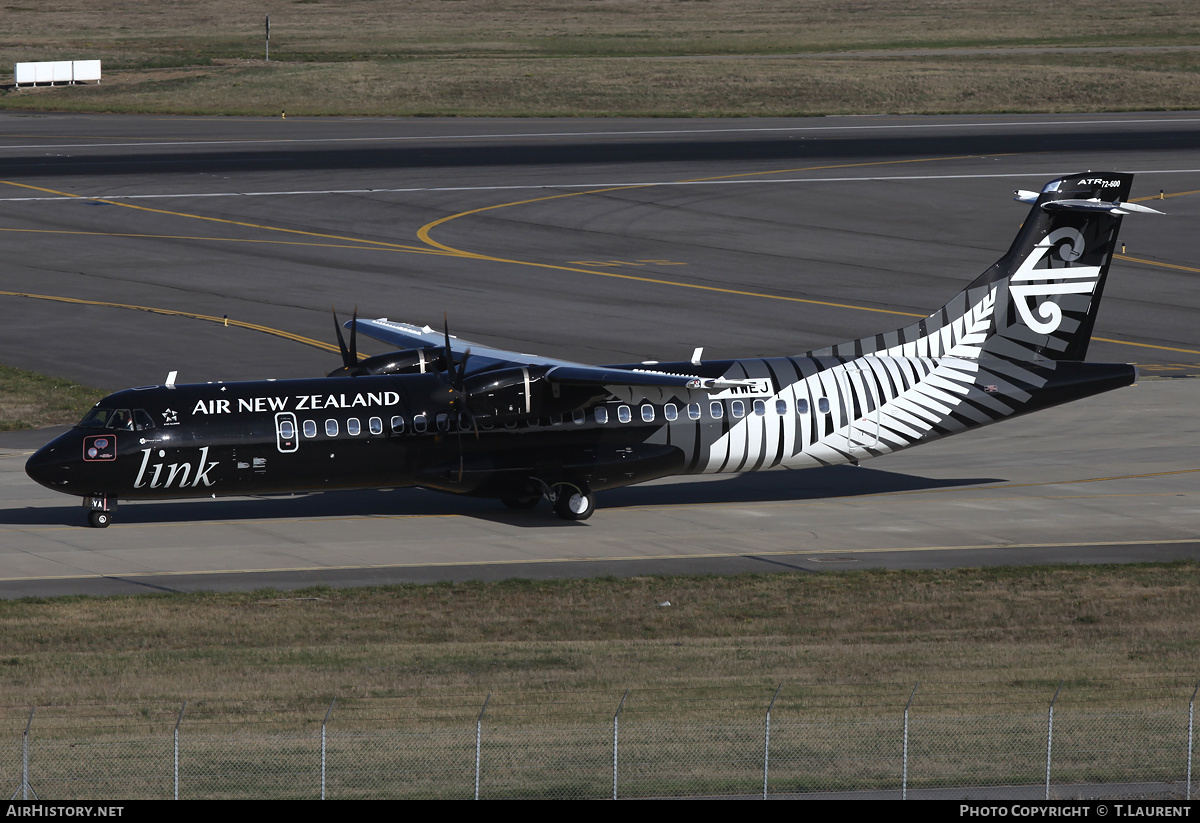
519 427
264 437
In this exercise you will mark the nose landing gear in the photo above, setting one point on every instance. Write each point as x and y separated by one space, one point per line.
101 511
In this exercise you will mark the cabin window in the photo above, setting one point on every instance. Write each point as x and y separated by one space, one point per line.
464 422
760 407
310 428
601 414
716 410
647 413
624 414
694 411
443 422
397 424
801 407
556 419
287 429
578 417
781 407
738 408
420 423
376 425
331 428
353 427
670 411
823 405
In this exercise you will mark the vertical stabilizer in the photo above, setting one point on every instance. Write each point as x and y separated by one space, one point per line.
1041 297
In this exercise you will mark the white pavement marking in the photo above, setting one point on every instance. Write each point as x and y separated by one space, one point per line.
597 185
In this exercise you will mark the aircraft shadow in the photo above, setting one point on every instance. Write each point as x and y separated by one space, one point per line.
764 487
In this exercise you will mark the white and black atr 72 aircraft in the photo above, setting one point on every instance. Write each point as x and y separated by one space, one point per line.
469 419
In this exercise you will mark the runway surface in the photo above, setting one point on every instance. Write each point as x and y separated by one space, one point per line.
129 240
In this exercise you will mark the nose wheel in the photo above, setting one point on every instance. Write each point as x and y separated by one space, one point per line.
573 502
101 510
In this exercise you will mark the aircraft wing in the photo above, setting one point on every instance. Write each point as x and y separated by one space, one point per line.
408 336
567 372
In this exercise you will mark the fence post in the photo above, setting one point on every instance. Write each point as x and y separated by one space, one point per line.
1050 735
904 767
616 720
324 723
478 740
178 720
1187 789
24 789
767 741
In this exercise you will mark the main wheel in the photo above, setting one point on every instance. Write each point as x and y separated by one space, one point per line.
574 504
99 519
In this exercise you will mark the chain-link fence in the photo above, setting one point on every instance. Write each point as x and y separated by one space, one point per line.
825 741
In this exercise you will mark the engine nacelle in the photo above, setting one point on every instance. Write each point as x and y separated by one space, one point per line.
507 392
524 391
407 361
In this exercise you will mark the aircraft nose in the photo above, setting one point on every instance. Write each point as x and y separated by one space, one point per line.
50 466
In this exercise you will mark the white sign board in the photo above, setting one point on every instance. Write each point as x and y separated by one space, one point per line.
86 71
57 71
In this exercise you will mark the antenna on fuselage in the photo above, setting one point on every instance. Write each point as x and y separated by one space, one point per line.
170 384
696 355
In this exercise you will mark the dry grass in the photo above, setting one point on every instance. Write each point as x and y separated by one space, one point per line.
605 57
1116 634
668 87
30 401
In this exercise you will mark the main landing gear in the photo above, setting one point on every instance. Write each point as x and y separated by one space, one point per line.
101 511
573 503
570 501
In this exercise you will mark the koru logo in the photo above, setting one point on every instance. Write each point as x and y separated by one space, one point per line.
1032 280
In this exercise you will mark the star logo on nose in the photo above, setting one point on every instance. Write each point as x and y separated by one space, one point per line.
170 417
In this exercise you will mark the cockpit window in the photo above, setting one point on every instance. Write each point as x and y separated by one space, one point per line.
121 420
116 419
142 419
95 419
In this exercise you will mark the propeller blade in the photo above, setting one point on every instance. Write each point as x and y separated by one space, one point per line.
456 376
347 358
460 379
466 410
446 334
353 335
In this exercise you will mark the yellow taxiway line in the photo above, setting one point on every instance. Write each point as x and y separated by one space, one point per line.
434 247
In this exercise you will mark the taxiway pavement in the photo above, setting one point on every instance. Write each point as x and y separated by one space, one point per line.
601 241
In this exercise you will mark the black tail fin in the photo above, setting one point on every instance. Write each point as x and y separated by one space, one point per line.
1038 301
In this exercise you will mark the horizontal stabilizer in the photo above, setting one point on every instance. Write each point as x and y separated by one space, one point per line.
1113 207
